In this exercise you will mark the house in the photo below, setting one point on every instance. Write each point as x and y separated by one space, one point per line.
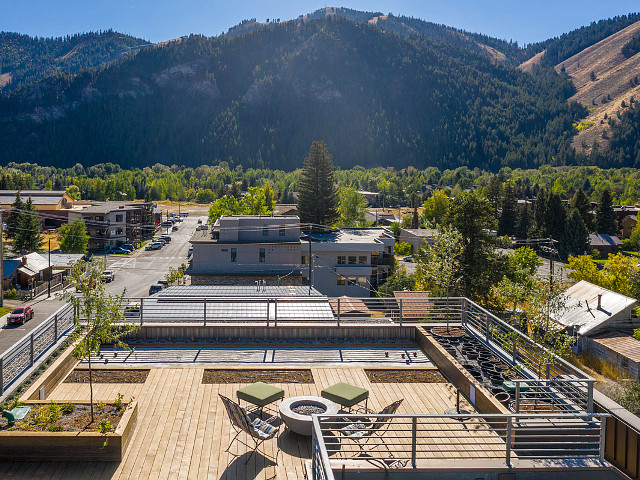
591 310
605 244
347 307
347 261
111 224
627 224
242 249
10 273
416 237
616 348
33 268
370 197
285 209
53 206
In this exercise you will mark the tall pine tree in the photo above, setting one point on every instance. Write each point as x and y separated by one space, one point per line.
606 221
576 236
28 238
509 212
318 197
524 223
580 202
14 217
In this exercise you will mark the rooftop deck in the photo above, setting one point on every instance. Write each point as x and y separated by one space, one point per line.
183 429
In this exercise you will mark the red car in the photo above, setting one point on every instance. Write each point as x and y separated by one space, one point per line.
20 315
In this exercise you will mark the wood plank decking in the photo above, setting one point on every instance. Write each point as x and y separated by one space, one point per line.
183 428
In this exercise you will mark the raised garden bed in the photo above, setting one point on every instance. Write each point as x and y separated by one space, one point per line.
77 442
224 376
405 376
81 375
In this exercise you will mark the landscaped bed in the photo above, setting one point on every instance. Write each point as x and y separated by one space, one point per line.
224 376
80 375
405 376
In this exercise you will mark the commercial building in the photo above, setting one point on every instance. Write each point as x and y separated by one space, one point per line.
53 206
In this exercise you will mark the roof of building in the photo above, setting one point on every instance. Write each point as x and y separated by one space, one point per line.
415 304
9 268
582 307
108 207
38 197
349 235
603 239
620 343
227 291
350 306
630 217
419 232
65 259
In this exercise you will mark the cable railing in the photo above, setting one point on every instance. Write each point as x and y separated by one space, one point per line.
25 353
414 441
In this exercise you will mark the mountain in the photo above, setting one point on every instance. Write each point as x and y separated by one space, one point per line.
25 59
262 97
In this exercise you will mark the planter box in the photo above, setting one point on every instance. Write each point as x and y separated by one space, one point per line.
69 446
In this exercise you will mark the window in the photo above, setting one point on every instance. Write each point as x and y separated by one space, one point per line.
362 281
351 280
119 218
305 259
362 259
262 255
265 231
341 280
281 232
352 259
234 254
342 259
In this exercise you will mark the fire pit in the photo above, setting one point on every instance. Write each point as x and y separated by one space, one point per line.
296 412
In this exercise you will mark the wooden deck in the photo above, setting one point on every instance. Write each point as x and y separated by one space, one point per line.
183 429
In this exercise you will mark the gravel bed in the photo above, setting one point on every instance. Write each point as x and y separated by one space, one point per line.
78 420
308 409
108 376
405 376
224 376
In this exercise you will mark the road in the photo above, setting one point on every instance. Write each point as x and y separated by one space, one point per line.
135 273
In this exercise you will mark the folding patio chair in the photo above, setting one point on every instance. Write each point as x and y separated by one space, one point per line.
257 429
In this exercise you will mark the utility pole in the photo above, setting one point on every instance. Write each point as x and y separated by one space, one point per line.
49 284
551 252
310 260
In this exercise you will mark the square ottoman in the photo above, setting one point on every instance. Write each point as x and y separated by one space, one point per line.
346 395
260 394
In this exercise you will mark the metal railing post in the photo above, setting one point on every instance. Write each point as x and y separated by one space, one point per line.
514 339
338 311
463 313
275 312
204 311
31 348
603 434
400 313
487 334
268 305
1 375
508 442
141 311
55 328
589 397
517 396
414 441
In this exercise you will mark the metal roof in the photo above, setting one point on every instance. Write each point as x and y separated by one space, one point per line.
230 291
65 259
9 267
620 343
46 197
602 239
582 308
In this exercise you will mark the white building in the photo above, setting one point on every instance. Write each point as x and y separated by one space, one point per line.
349 261
241 249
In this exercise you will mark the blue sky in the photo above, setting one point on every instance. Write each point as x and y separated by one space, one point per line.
156 20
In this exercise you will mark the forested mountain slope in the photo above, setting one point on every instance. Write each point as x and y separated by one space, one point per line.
25 59
261 98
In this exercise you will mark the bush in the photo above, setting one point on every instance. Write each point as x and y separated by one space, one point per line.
629 397
403 248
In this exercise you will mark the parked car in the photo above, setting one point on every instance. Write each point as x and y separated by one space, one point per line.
155 289
20 315
164 283
128 246
118 251
166 238
409 258
166 223
108 276
153 246
174 228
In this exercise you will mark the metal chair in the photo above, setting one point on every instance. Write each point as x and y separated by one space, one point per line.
362 431
257 429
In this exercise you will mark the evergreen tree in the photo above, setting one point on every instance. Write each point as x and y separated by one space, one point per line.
14 217
539 225
581 204
73 237
524 222
606 221
28 238
576 236
493 192
509 212
318 198
556 217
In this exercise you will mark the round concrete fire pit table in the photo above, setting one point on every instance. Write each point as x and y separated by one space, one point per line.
296 412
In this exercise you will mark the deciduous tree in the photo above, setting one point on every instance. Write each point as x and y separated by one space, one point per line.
73 237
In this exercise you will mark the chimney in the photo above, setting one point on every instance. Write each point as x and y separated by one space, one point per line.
599 301
23 261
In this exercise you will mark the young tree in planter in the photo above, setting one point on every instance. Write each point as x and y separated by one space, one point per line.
100 315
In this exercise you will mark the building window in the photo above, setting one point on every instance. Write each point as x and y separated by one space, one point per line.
342 259
362 281
341 280
305 259
281 232
118 218
234 254
265 231
362 259
262 254
351 280
352 259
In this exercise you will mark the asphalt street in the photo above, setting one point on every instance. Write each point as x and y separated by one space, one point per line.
133 273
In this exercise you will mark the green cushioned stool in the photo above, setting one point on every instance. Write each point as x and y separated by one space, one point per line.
260 394
346 395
